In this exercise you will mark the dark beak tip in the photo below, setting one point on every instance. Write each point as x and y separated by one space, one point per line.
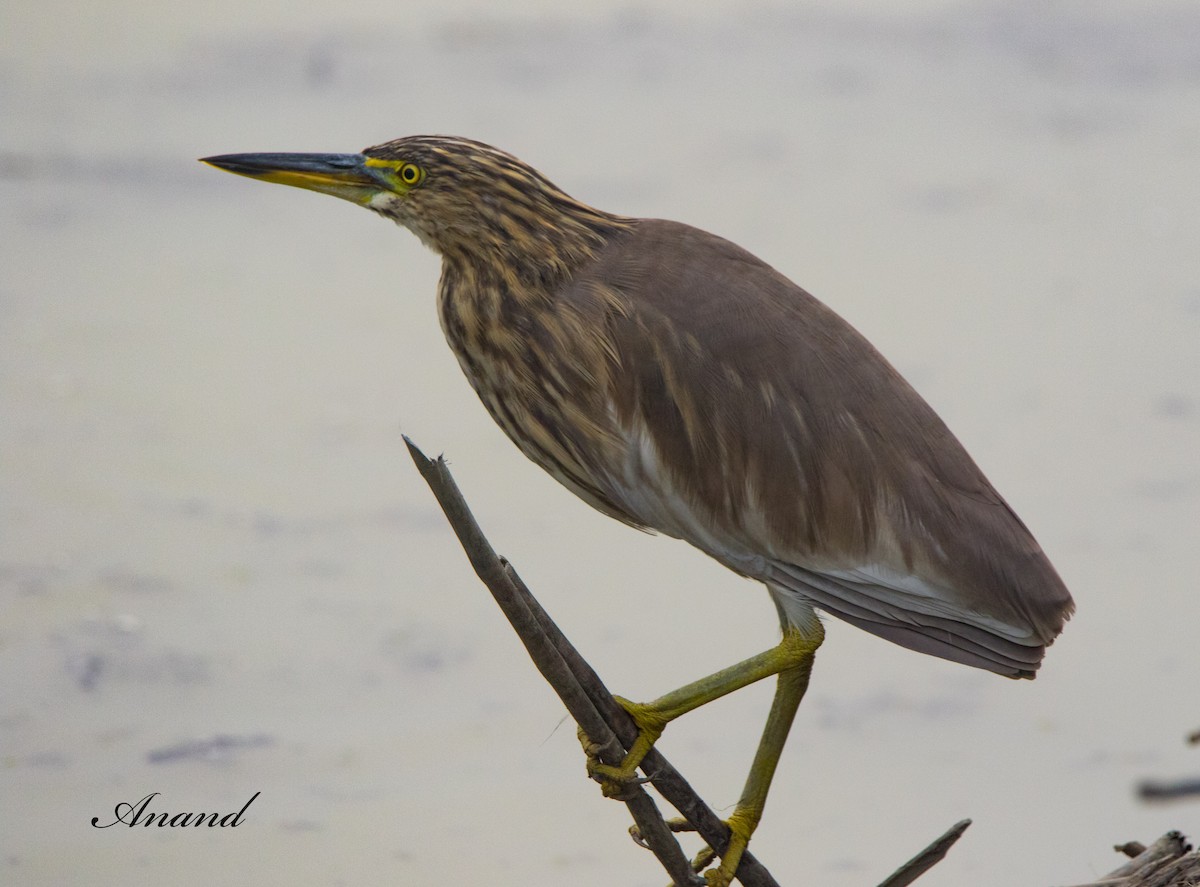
227 162
271 162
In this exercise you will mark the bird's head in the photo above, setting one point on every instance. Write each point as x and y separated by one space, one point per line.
463 198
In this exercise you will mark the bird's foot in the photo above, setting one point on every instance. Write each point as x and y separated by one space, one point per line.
740 828
616 780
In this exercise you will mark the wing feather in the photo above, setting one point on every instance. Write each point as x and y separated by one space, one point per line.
752 421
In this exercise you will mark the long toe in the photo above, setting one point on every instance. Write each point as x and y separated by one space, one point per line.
616 780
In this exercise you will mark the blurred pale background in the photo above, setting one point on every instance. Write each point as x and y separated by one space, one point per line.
209 526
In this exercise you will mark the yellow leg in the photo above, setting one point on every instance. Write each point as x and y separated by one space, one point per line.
789 690
792 660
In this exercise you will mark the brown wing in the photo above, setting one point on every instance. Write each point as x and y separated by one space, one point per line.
761 427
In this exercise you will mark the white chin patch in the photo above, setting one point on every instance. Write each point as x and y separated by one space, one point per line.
384 202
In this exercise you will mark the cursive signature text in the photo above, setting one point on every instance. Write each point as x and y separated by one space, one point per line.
139 814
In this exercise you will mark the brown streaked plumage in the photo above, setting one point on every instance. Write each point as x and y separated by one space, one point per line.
677 383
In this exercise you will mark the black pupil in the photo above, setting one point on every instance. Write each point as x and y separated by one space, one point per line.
409 174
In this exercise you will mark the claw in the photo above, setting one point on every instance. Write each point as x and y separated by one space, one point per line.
590 749
741 827
676 824
722 875
616 781
704 859
791 661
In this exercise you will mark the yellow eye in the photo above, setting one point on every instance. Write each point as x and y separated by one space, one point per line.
410 173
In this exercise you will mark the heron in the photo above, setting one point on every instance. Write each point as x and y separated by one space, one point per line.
679 384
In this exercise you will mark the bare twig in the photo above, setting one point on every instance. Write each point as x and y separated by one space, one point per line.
666 779
1168 862
559 662
927 858
494 574
597 713
1170 846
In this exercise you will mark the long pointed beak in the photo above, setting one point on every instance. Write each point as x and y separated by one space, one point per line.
342 175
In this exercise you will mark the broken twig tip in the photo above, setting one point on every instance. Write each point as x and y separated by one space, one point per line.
927 858
414 450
